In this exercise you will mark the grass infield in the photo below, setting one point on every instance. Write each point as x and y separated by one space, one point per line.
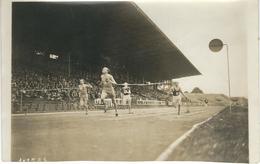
222 139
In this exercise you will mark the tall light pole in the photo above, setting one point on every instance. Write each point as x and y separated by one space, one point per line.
69 66
216 45
228 72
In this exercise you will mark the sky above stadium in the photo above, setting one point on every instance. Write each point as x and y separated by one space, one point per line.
190 26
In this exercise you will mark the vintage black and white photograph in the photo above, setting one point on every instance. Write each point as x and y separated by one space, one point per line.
129 81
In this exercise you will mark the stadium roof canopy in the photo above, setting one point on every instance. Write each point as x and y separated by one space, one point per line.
98 34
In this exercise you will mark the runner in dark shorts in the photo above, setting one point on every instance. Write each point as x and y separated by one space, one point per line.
177 95
126 97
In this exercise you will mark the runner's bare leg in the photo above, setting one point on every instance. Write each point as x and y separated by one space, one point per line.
115 106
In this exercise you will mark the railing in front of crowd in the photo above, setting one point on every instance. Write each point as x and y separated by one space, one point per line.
44 100
65 99
151 102
68 102
50 100
119 101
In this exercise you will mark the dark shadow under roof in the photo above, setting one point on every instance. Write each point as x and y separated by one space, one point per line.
97 34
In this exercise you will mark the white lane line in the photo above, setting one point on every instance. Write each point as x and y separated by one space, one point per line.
144 115
133 116
168 151
77 112
124 116
50 113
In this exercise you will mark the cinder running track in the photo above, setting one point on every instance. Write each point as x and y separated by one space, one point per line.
102 136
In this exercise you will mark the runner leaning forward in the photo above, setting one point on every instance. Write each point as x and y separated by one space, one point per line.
107 82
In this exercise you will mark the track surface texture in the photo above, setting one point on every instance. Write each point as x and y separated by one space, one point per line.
222 139
142 136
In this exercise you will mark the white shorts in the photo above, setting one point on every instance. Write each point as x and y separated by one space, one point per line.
108 94
126 100
83 101
176 99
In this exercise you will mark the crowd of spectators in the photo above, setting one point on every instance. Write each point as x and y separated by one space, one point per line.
149 92
57 85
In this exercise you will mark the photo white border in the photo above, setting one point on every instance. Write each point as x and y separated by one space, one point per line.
253 81
253 78
6 28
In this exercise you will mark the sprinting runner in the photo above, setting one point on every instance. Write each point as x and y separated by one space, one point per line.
127 97
176 95
108 91
206 101
83 95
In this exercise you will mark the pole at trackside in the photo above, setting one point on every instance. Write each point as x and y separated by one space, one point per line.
69 70
127 76
21 101
69 66
228 72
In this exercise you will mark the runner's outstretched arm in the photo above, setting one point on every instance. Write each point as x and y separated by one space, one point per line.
113 80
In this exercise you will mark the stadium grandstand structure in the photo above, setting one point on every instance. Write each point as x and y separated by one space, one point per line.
118 35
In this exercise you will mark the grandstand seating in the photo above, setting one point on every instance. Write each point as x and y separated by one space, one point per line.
36 91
